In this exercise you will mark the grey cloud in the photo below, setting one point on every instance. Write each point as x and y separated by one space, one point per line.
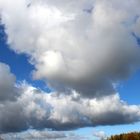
7 82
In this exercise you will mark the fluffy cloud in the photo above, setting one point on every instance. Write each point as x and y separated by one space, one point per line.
34 108
85 46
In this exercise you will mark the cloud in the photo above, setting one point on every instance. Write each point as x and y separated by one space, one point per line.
34 134
73 49
100 134
43 135
7 81
33 108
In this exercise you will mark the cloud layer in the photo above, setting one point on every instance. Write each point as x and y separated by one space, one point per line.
43 135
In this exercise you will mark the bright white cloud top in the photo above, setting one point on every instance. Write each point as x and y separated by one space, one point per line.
80 48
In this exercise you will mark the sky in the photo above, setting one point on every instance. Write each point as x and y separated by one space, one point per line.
69 69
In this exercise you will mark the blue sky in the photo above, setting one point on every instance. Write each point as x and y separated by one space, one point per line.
129 90
77 64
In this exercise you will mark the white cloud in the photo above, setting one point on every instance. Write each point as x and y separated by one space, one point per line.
100 134
74 49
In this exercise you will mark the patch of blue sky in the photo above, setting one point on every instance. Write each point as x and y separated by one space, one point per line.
129 89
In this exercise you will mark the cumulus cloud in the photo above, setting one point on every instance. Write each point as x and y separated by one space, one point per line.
36 109
85 45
